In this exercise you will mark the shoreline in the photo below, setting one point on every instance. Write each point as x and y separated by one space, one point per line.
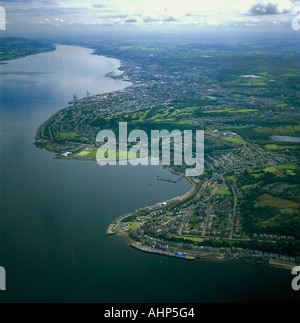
118 74
200 255
161 205
204 256
111 228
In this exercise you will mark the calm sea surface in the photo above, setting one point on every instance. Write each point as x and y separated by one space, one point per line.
54 213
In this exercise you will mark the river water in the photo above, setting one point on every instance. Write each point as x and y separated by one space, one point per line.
54 213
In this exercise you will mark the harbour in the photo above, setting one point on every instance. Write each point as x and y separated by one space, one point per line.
178 254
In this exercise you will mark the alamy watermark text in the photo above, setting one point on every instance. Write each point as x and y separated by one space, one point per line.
2 279
187 148
296 280
2 18
296 20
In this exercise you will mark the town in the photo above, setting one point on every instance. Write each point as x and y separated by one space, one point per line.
245 206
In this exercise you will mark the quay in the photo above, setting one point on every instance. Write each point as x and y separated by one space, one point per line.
144 248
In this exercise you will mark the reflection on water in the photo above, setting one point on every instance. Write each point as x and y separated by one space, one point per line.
60 74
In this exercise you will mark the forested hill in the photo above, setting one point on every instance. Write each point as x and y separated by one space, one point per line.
13 48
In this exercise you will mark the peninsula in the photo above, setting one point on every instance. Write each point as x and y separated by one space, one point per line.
245 206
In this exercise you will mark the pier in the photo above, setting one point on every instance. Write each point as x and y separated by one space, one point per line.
169 180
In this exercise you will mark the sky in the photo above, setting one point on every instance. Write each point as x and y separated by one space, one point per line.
148 12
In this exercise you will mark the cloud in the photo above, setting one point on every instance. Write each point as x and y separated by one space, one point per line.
99 6
149 20
270 7
145 12
170 19
131 20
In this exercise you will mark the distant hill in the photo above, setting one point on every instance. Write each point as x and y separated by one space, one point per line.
13 48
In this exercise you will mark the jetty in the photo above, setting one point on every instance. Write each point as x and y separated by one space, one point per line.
166 180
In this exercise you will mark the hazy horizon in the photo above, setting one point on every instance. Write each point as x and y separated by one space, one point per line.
75 19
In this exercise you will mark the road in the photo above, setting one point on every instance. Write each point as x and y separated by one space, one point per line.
234 211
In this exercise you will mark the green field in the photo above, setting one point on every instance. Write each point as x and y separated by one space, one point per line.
189 238
111 155
232 111
69 134
288 167
92 154
232 178
247 186
223 192
238 140
256 174
267 129
84 153
133 225
282 169
269 200
271 169
278 147
288 130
